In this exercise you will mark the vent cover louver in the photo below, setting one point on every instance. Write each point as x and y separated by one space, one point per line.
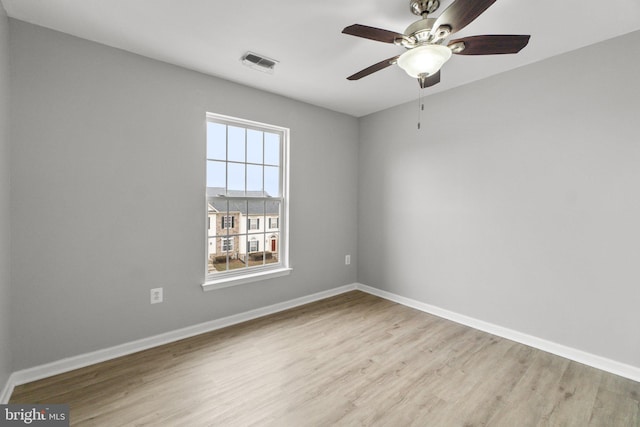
259 62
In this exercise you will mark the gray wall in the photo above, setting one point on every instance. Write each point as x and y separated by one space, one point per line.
5 274
108 195
518 202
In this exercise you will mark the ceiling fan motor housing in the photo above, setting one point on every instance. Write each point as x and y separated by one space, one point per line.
421 30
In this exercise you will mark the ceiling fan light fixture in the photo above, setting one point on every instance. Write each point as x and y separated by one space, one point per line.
424 60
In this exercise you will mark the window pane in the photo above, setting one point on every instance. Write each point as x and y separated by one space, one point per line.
254 178
242 252
271 148
227 223
255 239
211 249
235 177
239 208
272 223
272 181
216 174
216 141
236 144
271 245
256 254
256 214
220 205
272 211
218 254
211 224
256 208
254 146
254 244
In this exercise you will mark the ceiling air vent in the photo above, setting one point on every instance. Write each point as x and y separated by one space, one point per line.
259 62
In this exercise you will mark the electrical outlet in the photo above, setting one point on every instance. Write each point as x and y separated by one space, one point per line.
156 295
347 259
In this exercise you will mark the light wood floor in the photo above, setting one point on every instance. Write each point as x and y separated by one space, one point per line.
350 360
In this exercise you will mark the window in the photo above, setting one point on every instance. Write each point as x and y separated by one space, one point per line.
246 180
227 244
227 222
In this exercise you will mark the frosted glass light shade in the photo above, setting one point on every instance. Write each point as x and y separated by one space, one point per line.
426 59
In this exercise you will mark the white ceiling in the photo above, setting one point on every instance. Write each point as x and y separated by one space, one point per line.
210 36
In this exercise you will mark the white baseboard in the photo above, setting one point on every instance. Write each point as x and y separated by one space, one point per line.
7 390
595 361
87 359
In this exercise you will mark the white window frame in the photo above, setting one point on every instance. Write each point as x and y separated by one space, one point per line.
235 277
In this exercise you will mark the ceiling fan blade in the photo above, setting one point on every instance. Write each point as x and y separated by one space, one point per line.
491 44
372 69
461 13
372 33
429 81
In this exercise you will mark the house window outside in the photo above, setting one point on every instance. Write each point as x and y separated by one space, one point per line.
227 244
227 222
246 179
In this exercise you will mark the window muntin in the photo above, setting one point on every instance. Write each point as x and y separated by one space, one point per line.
246 189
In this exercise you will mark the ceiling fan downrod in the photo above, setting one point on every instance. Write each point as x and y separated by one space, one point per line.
424 7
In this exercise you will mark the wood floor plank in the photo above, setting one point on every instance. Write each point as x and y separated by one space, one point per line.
496 381
576 395
353 359
614 409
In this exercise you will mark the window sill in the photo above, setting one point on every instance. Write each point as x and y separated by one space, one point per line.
245 278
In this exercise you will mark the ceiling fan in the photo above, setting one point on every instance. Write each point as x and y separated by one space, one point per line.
425 40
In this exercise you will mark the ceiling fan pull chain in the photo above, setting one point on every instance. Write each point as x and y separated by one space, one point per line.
420 107
419 102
